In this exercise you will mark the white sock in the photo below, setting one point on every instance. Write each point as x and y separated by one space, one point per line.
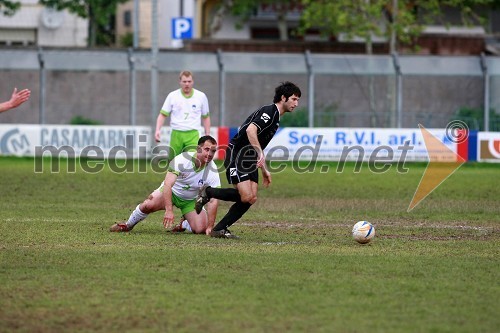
185 225
136 217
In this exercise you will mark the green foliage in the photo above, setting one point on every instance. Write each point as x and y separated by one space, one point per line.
295 269
80 120
323 117
127 40
9 8
474 118
245 9
363 19
299 118
99 12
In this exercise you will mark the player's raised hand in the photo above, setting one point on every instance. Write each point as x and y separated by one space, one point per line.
18 98
15 100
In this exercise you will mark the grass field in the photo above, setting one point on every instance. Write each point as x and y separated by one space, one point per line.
295 268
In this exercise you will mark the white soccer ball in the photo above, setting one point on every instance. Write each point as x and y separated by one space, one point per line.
363 232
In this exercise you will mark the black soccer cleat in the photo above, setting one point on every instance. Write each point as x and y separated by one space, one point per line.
201 199
224 233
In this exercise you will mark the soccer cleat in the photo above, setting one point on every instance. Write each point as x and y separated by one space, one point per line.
224 233
119 227
201 199
179 228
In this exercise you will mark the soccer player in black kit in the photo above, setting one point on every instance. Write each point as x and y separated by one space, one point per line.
245 155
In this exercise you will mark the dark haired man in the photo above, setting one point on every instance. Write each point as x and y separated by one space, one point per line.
245 155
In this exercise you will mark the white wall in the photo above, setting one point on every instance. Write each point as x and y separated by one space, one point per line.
228 30
27 27
73 32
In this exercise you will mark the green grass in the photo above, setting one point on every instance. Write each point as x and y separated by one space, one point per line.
295 268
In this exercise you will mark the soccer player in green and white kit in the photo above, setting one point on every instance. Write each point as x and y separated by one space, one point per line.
186 174
185 107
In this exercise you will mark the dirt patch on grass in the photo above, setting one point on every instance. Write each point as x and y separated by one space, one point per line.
437 232
420 237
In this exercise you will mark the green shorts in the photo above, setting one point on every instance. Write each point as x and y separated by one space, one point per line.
186 206
183 141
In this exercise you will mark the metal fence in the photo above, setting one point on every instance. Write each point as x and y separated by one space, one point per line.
126 87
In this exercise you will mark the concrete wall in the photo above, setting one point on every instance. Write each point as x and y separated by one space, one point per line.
104 96
96 85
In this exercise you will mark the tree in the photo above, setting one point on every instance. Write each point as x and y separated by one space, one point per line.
397 20
245 9
9 8
216 22
100 14
402 19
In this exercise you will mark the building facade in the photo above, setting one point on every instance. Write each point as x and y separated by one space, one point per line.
33 24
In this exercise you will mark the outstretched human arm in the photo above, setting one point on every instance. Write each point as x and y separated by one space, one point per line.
16 99
168 218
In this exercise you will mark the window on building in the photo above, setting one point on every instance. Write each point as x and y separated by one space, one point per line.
20 37
272 33
127 18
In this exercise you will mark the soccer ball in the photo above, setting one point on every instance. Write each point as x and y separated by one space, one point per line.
363 232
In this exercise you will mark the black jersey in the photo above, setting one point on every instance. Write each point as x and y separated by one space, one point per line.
267 120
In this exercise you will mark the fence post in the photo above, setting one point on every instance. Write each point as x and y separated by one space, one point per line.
399 92
154 63
310 76
222 89
41 100
132 86
486 77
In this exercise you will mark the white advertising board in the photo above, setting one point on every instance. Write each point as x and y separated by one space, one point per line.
351 144
70 141
488 146
322 144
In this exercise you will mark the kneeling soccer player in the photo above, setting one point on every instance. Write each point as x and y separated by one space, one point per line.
186 174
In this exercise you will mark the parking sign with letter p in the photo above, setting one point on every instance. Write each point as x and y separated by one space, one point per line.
182 28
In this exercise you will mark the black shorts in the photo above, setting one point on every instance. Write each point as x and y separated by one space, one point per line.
241 164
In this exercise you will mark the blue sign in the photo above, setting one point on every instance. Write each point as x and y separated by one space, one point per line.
182 28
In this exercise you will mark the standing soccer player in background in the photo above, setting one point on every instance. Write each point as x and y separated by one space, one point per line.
245 155
185 106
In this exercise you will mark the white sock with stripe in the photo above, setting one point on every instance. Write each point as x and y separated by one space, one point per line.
185 225
136 217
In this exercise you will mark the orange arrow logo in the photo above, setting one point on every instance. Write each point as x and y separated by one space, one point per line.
443 161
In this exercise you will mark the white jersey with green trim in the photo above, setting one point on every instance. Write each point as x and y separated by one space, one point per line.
189 179
185 112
